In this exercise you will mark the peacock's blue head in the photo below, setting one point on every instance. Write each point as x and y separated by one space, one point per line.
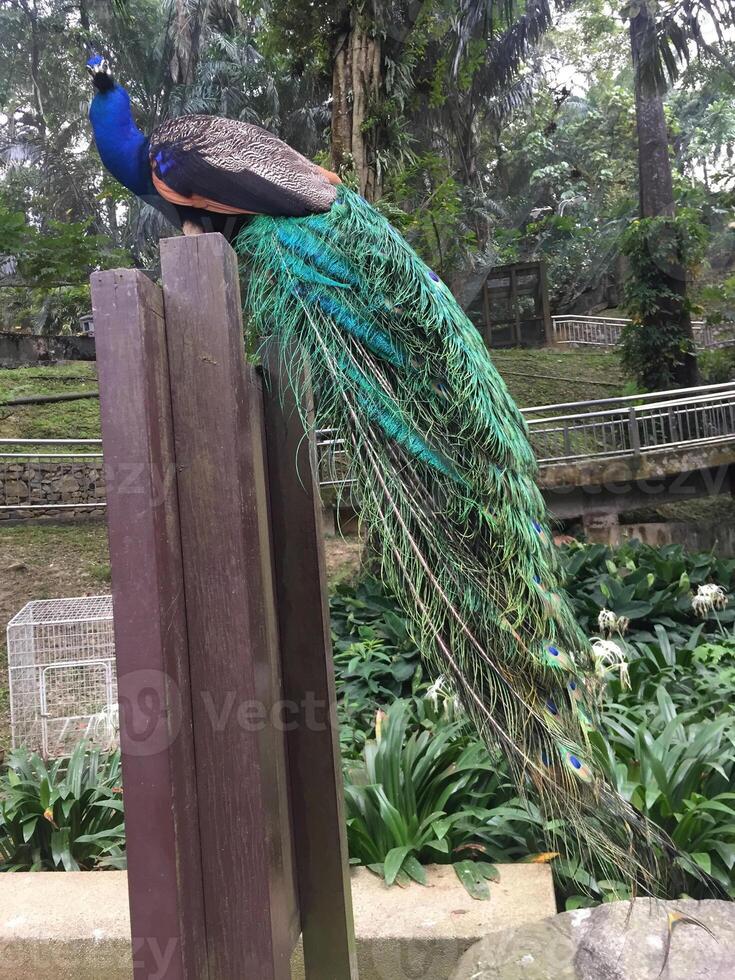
99 70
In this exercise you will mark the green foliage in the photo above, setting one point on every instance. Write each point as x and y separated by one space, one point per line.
53 264
661 252
429 797
375 659
429 212
671 734
12 231
62 252
569 167
650 586
669 748
716 366
65 815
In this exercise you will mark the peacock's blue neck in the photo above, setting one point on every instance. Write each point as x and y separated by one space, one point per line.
121 145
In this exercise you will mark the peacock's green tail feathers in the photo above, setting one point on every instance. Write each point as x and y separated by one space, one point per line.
445 475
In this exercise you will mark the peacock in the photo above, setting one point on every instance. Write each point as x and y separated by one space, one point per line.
437 447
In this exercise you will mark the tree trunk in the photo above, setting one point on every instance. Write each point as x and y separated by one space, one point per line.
187 32
655 184
356 88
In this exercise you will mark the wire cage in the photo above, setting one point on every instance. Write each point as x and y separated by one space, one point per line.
63 688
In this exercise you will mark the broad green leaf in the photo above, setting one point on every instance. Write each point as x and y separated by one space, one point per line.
473 879
393 861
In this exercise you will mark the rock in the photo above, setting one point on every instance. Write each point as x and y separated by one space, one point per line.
67 484
612 942
15 489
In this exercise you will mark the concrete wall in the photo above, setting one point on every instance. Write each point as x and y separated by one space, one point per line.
604 529
75 926
23 350
625 483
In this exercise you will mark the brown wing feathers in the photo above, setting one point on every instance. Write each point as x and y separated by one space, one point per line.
231 167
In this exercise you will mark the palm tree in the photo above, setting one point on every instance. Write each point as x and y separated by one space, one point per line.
382 56
188 22
662 39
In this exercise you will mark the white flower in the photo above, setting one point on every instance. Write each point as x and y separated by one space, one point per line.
609 657
707 598
608 623
437 690
442 696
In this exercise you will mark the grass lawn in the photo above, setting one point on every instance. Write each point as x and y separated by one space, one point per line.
534 377
46 561
543 377
62 420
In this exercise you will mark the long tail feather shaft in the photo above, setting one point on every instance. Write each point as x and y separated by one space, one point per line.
445 475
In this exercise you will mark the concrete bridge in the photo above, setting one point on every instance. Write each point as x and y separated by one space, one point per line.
617 454
620 454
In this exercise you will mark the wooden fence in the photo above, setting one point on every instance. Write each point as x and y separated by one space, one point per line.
232 783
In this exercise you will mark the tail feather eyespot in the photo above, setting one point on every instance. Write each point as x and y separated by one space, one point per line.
576 765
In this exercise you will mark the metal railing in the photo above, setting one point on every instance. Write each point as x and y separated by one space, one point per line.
51 474
601 331
633 425
587 331
572 431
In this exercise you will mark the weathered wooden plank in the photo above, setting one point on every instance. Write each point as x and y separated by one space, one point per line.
308 681
161 817
250 904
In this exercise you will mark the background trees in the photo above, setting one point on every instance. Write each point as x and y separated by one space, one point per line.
660 41
487 131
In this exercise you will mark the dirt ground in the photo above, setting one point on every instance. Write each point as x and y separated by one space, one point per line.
49 561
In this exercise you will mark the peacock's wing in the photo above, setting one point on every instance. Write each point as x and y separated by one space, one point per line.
446 483
227 166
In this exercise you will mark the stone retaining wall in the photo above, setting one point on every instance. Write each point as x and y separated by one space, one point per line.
36 482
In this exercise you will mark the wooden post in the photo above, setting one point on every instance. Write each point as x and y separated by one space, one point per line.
308 678
199 603
161 814
250 907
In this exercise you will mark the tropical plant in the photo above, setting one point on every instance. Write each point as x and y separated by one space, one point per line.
431 797
65 815
669 737
375 658
678 771
647 586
